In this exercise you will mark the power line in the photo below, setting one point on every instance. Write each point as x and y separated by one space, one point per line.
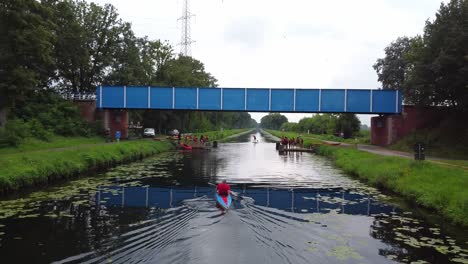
186 39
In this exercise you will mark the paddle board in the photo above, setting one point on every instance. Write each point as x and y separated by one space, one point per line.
224 201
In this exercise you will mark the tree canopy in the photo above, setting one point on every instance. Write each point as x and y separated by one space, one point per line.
432 69
72 46
331 124
273 121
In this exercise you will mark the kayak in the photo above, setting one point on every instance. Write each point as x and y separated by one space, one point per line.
185 147
224 201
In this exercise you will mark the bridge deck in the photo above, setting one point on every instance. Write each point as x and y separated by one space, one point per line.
251 99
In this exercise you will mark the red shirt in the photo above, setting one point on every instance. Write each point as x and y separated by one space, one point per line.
223 188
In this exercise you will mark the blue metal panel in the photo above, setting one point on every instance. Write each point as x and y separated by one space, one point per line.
135 196
98 97
137 97
383 101
161 98
332 100
282 99
281 200
159 197
209 99
307 100
186 98
358 101
258 100
400 101
113 97
234 99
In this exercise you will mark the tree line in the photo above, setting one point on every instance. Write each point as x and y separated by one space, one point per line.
55 47
347 125
432 68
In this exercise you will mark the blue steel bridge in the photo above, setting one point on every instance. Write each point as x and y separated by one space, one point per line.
358 101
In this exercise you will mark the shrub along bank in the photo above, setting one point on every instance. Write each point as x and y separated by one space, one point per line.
444 189
19 170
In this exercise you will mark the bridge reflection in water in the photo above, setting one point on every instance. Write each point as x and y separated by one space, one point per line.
292 200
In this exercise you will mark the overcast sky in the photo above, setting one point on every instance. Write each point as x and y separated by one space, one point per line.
284 44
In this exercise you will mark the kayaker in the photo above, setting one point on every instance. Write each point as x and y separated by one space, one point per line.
223 188
255 138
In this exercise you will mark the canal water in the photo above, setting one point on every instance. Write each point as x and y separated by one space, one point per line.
295 208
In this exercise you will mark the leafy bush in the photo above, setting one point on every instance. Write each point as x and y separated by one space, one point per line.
15 131
43 115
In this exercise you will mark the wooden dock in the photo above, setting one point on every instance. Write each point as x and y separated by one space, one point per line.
282 149
299 150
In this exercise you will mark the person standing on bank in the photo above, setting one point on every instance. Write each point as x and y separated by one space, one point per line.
117 136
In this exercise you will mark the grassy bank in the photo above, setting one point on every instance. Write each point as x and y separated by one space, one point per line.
33 144
308 139
25 169
427 184
441 143
442 188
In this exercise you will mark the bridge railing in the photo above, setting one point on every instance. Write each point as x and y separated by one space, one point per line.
80 97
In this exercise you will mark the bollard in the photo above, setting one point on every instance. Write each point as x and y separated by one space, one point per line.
215 144
277 145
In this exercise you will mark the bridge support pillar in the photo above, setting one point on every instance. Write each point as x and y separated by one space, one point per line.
116 120
388 129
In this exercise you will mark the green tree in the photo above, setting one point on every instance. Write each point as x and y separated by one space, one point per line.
155 56
273 121
89 38
392 68
26 49
290 126
348 124
185 71
440 72
432 68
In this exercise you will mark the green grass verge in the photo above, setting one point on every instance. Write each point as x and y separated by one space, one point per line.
442 143
363 139
427 184
430 185
32 144
19 170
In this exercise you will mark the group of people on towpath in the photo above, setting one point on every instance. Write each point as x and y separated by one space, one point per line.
292 142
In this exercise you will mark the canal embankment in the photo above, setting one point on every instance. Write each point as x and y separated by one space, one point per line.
34 168
433 186
39 164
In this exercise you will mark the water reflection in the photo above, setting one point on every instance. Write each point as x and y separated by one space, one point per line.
292 200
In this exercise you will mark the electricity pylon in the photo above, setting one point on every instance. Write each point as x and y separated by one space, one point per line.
186 39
